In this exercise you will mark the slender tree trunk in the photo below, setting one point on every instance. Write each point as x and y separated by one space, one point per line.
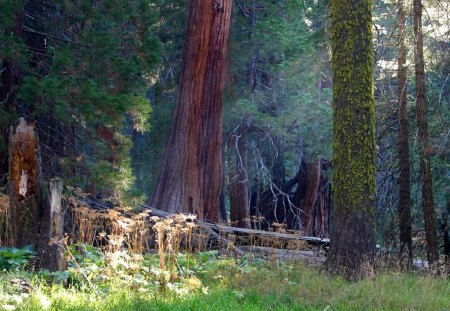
403 146
239 191
424 144
52 229
311 196
222 208
446 237
352 248
190 176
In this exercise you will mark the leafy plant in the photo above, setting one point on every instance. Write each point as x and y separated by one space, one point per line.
15 258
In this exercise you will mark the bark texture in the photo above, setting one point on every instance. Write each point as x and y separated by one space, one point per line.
311 196
352 247
423 139
25 195
54 259
190 175
403 146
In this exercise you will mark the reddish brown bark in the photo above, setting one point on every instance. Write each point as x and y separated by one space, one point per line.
403 146
32 221
320 212
190 175
311 196
423 139
24 186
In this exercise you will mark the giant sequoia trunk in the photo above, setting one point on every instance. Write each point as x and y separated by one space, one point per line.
423 139
190 174
403 146
352 247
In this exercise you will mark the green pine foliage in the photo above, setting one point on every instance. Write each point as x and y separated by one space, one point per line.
149 146
90 80
278 54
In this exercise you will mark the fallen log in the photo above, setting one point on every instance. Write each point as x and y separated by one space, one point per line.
287 236
270 253
200 223
213 229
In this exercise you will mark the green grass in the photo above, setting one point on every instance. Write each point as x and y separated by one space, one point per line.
230 285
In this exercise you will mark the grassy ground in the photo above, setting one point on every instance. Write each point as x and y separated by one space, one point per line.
225 284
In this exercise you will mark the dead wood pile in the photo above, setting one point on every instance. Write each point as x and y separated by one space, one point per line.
97 222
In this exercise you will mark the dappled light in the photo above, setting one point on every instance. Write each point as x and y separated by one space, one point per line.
224 155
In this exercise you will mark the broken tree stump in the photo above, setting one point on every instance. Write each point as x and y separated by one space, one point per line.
25 195
54 258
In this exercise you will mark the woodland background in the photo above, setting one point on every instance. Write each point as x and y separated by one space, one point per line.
100 80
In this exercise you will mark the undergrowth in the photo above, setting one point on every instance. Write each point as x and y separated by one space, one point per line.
178 274
209 281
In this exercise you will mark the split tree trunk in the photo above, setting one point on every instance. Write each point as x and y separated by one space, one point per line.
190 176
25 194
352 250
404 213
33 221
423 139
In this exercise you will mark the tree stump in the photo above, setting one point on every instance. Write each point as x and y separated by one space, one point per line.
54 257
25 195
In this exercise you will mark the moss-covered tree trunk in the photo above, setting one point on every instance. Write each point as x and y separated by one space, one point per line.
352 243
423 139
190 174
405 255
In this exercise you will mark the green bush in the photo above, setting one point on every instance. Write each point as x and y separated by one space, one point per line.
15 258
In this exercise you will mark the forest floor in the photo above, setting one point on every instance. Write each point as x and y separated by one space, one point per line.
208 281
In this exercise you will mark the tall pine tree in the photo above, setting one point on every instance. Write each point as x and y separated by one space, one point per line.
352 248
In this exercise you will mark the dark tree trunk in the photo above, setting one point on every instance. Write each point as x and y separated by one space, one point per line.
239 191
446 237
311 195
190 176
300 193
405 255
312 198
352 249
423 140
320 213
